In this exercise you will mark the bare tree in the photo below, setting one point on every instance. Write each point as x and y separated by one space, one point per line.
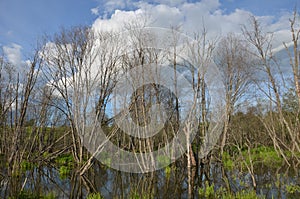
294 55
23 90
262 44
144 51
80 64
236 65
201 55
96 83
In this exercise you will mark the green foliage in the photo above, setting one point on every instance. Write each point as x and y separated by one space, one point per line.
265 155
259 155
134 196
227 161
46 155
106 161
209 191
293 189
168 170
65 160
135 193
26 165
244 194
163 160
247 126
66 164
64 172
30 195
94 196
16 173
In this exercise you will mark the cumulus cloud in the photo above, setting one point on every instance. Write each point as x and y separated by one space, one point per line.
191 17
13 54
118 20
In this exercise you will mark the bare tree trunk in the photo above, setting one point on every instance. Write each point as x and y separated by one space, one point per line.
294 59
236 64
263 45
15 156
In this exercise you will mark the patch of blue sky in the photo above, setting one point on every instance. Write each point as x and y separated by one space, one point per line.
260 7
23 22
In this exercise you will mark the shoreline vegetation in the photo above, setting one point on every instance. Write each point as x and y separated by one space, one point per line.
281 180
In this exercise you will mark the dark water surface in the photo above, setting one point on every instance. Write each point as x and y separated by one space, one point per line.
171 182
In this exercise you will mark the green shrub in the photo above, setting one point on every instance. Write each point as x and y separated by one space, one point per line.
94 196
64 172
26 165
227 161
292 189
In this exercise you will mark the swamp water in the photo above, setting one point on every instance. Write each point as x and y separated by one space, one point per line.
171 182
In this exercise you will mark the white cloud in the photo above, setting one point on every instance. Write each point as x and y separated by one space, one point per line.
95 11
116 4
112 5
118 20
13 54
170 2
165 16
191 17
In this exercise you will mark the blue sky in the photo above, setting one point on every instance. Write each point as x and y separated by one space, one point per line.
260 7
23 22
